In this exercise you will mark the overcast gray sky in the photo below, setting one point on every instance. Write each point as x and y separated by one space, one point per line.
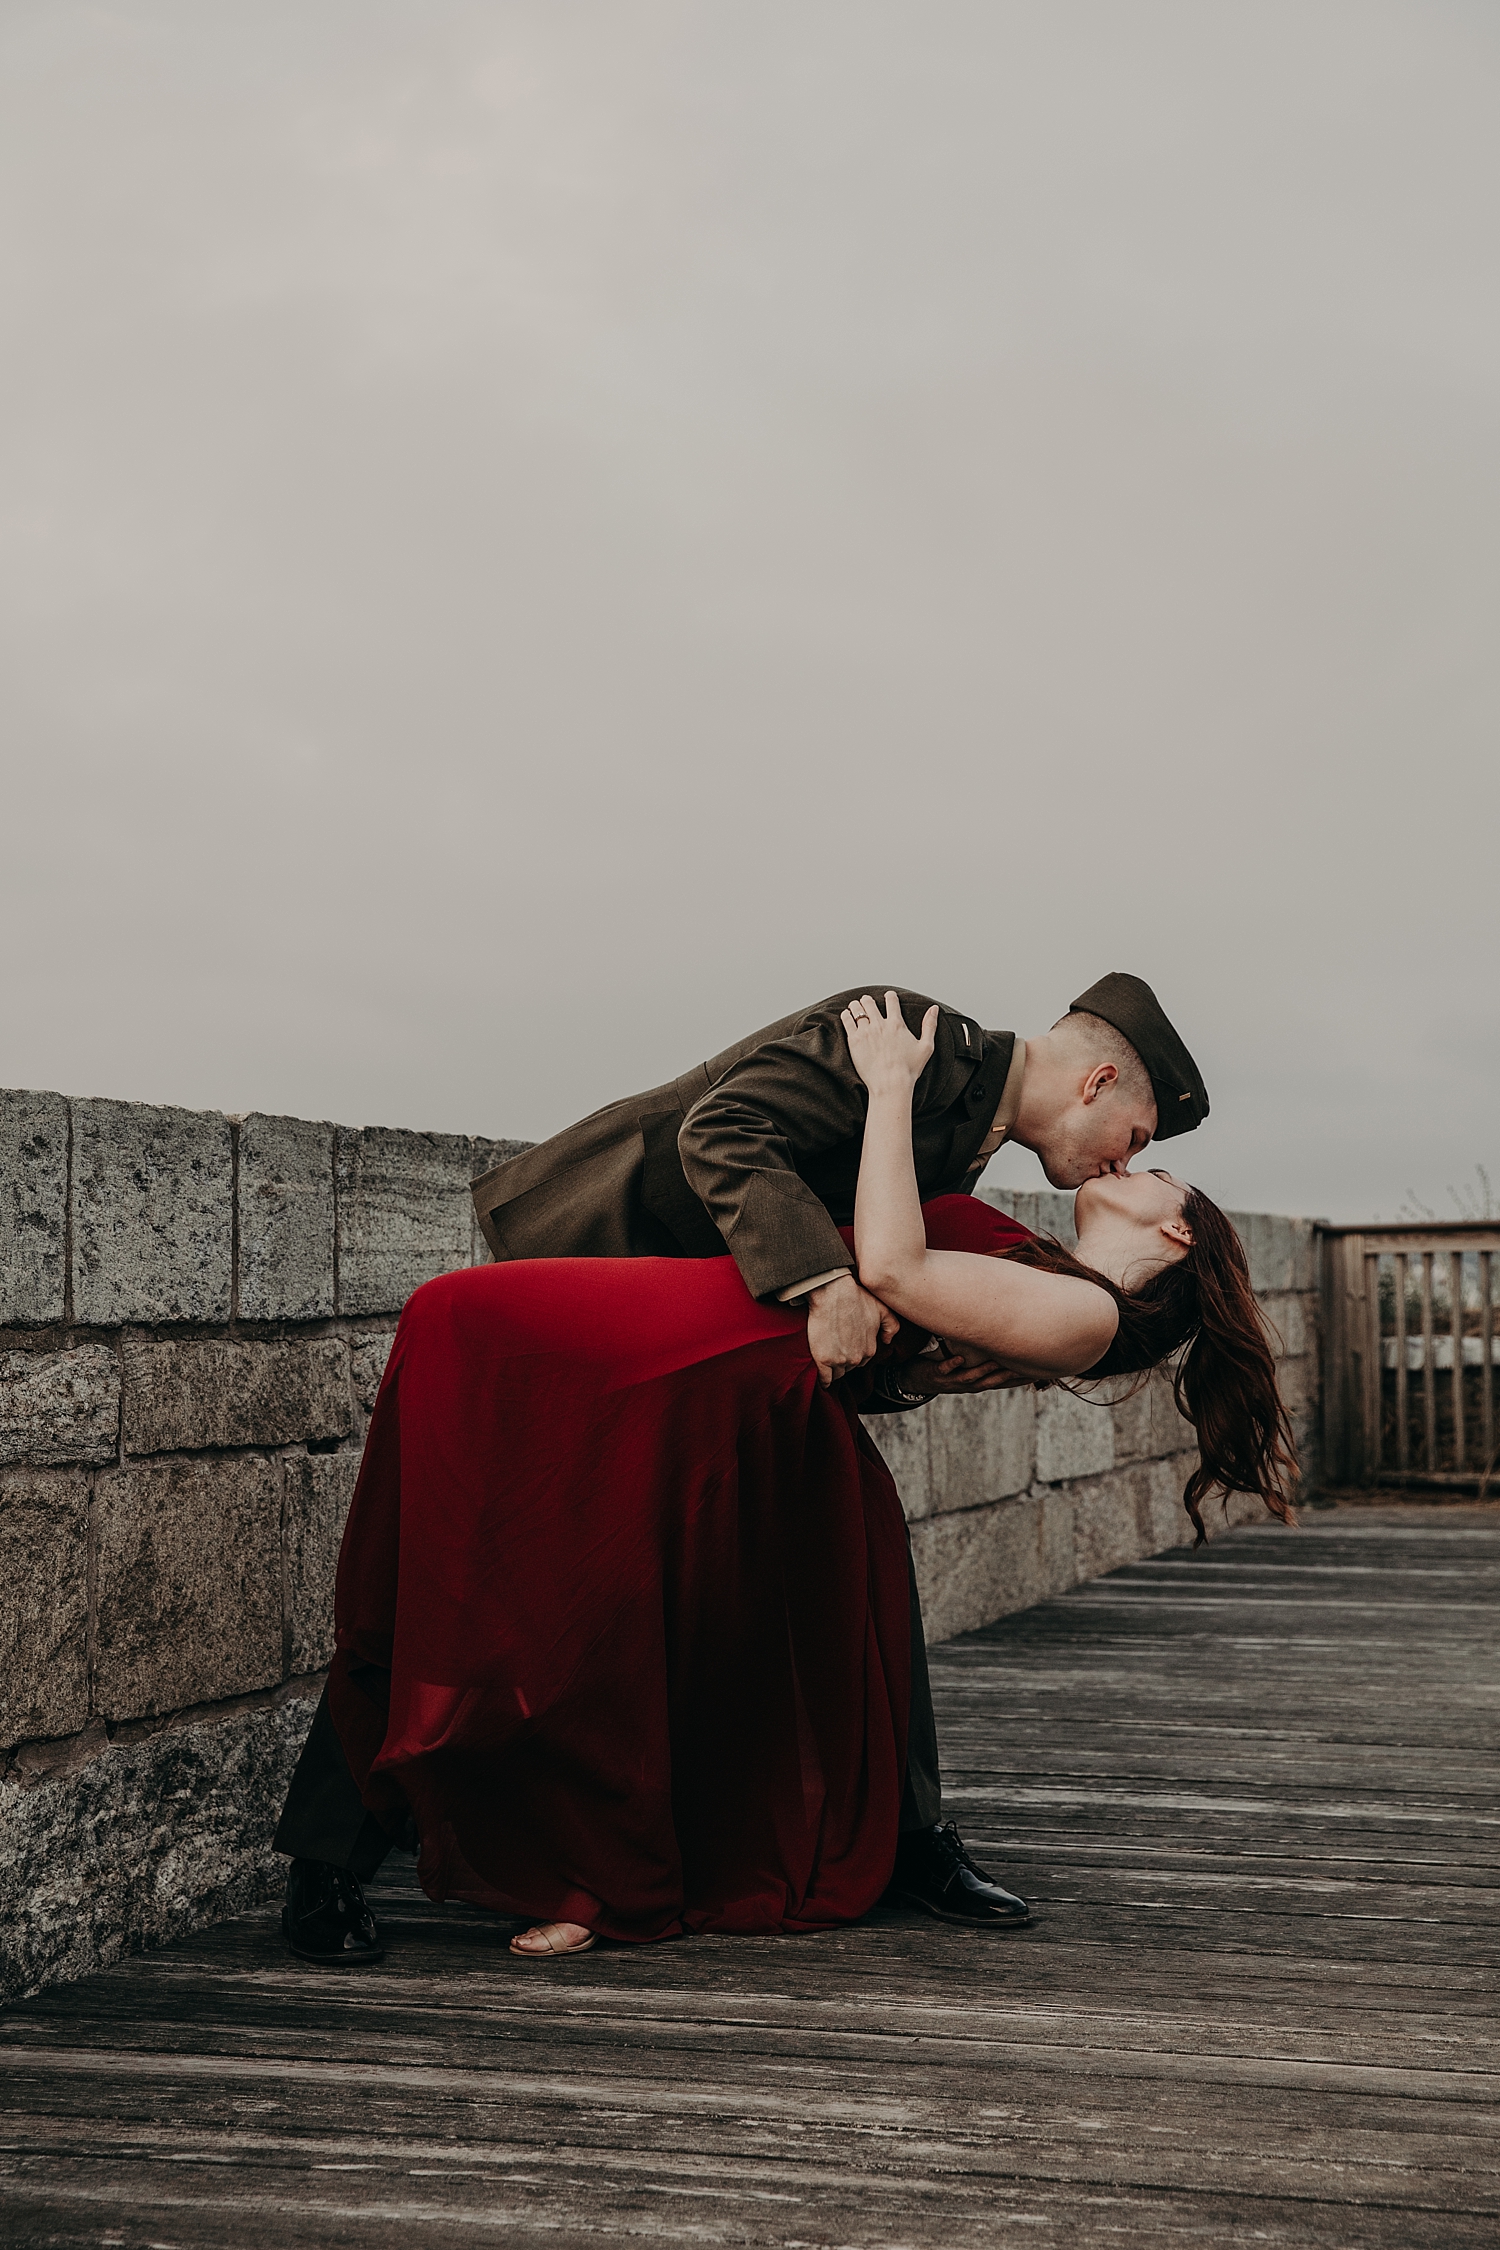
538 537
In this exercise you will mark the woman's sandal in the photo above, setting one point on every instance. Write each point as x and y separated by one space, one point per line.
554 1951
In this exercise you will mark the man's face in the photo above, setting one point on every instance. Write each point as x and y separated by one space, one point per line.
1098 1132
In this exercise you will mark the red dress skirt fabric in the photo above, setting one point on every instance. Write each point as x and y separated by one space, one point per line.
640 1586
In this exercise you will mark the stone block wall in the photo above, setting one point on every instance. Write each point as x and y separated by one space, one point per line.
195 1312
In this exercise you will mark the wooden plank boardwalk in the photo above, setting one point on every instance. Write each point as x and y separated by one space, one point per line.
1251 1794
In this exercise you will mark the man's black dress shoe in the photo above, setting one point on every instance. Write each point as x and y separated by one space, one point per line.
325 1917
934 1871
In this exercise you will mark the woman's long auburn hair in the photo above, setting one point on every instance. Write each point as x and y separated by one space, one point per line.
1225 1381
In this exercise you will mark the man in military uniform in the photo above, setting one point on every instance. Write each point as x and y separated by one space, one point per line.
757 1151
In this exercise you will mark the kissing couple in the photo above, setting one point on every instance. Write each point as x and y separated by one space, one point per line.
628 1638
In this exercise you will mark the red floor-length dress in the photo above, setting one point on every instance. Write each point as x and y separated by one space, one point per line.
640 1585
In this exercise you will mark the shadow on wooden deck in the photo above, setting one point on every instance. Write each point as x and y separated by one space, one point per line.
1249 1793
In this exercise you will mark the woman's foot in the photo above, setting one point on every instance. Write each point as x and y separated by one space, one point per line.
548 1941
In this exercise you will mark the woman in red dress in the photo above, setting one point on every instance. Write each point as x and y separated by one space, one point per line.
639 1583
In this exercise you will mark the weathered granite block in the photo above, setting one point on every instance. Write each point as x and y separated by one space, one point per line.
1074 1437
1148 1424
1044 1210
286 1219
33 1207
152 1216
1306 1268
44 1609
975 1567
1171 1525
983 1448
57 1407
404 1214
367 1357
1112 1521
182 1397
903 1443
1270 1248
145 1842
189 1584
1289 1314
1058 1543
1297 1381
1135 1437
319 1488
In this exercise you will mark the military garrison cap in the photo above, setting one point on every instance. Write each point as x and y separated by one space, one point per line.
1133 1008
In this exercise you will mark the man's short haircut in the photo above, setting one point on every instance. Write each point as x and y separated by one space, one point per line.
1098 1041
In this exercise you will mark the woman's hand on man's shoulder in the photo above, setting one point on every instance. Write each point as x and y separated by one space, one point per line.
881 1048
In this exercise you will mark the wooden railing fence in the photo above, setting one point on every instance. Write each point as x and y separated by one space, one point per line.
1411 1342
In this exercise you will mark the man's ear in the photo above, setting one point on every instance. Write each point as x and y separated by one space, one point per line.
1102 1075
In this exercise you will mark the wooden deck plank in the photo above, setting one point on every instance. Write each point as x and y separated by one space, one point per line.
388 2203
1137 2039
778 2172
1119 2131
1252 1796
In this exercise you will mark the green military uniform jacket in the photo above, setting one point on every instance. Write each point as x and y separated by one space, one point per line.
757 1150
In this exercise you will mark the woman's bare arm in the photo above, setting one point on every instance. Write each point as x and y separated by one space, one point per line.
1041 1324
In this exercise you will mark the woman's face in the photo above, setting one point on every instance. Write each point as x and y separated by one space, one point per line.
1145 1199
1129 1223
